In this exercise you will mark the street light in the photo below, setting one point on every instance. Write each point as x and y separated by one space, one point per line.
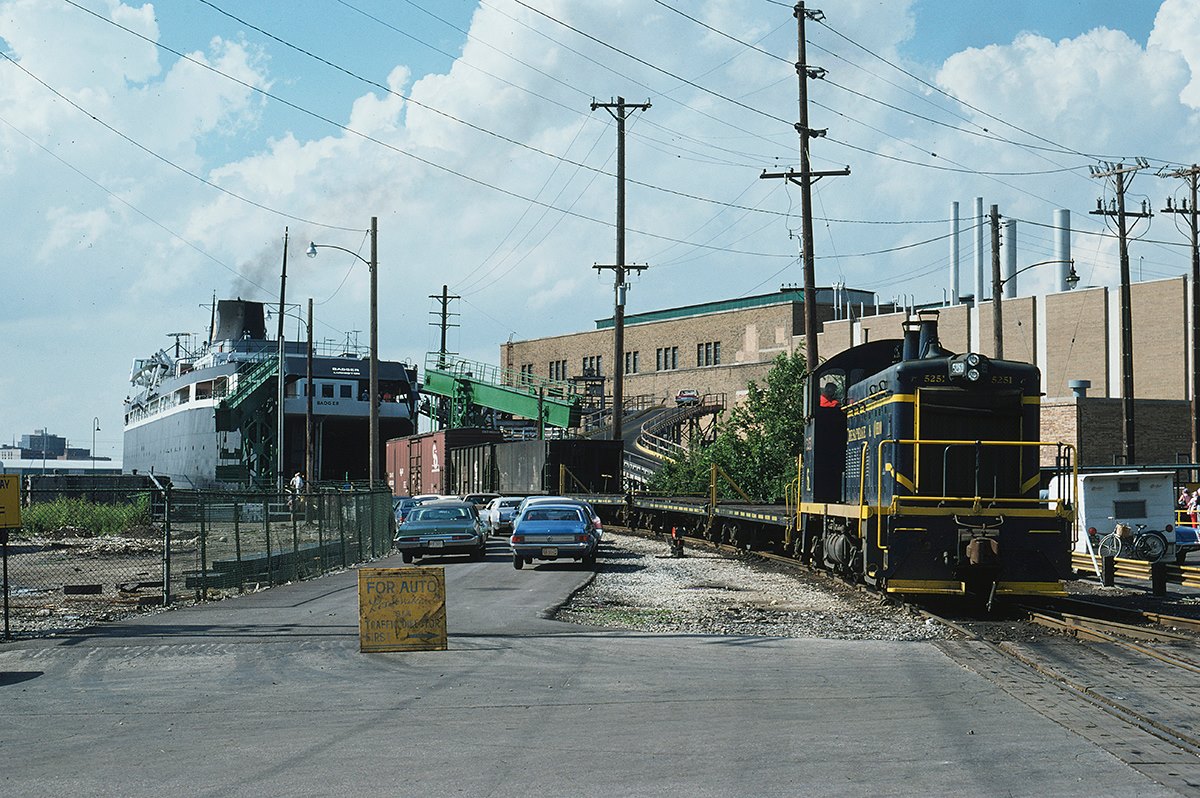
95 429
373 469
1072 280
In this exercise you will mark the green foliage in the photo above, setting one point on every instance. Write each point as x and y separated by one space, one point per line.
757 445
87 519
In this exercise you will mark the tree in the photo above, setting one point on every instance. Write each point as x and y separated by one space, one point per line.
757 446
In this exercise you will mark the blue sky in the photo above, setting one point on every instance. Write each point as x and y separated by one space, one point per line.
489 172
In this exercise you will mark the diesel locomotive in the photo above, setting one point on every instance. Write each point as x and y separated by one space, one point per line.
921 468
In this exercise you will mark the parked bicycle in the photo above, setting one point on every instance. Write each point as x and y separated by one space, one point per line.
1136 544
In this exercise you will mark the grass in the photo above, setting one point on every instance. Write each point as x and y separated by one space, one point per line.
90 518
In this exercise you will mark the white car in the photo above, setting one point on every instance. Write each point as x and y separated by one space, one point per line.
499 514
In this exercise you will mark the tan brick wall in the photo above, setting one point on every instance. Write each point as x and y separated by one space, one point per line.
1095 426
878 328
1160 322
1020 329
1076 341
749 337
954 330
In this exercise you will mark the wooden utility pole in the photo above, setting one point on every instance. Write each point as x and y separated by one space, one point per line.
620 111
805 178
1192 176
997 283
1119 172
445 323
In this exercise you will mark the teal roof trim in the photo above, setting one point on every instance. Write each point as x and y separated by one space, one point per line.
687 311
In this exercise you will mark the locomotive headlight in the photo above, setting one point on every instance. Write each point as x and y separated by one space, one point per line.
973 375
973 360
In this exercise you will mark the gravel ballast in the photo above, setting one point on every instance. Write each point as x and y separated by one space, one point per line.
640 586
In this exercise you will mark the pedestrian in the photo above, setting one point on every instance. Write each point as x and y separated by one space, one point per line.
296 489
1194 506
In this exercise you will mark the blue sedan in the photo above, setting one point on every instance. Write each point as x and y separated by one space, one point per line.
553 532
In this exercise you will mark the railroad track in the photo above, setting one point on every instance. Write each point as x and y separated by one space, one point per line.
1126 680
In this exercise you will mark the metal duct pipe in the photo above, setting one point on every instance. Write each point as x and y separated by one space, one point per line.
1062 245
980 226
954 264
1010 258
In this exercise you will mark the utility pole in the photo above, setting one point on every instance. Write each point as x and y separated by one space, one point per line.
997 311
280 479
1192 176
620 111
309 458
445 323
1118 172
805 178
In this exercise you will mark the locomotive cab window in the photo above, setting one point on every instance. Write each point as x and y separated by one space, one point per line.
832 390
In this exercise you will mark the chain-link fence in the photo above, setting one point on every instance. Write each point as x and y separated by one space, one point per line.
80 559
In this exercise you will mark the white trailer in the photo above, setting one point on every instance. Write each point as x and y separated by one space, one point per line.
1141 501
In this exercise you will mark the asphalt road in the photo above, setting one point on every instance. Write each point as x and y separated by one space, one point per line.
268 695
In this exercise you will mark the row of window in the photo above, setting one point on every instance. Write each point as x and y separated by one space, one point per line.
666 358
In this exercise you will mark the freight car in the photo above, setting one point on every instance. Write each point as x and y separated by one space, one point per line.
921 471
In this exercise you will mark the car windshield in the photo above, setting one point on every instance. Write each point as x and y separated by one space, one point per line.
510 503
553 514
441 514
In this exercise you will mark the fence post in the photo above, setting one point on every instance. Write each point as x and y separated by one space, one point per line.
1108 571
167 545
202 589
295 547
4 559
237 541
320 533
341 521
371 504
358 524
266 514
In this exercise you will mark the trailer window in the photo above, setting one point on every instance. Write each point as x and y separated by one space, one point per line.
1128 486
1129 509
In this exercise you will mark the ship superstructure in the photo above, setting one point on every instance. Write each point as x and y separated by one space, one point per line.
209 417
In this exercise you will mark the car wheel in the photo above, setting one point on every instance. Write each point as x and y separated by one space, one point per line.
589 561
407 556
479 553
518 562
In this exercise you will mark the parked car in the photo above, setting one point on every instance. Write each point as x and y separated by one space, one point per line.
442 527
553 531
480 500
499 514
597 525
402 506
688 397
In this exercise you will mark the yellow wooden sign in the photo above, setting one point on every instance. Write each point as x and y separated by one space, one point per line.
10 501
402 609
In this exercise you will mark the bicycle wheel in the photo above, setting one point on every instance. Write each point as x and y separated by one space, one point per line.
1110 545
1150 546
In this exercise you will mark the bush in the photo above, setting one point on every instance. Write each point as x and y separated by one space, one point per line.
86 519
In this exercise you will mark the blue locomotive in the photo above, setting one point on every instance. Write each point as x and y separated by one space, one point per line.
921 468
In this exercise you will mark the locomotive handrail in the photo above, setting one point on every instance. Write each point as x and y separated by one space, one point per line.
975 500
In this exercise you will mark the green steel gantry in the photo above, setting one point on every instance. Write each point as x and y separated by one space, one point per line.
467 383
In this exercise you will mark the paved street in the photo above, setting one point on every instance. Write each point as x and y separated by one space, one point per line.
267 694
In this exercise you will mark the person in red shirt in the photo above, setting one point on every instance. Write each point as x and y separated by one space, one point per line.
829 396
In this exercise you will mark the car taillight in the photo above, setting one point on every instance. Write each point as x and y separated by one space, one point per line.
582 538
517 539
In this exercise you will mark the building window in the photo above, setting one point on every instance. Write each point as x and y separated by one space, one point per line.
631 362
593 366
666 358
708 353
558 370
326 390
347 392
526 373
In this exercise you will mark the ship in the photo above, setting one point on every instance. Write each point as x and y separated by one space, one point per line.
207 417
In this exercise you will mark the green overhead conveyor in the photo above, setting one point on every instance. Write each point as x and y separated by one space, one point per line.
466 383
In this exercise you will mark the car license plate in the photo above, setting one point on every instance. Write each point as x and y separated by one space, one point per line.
436 544
550 552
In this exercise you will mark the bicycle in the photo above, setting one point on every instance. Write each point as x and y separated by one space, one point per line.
1133 544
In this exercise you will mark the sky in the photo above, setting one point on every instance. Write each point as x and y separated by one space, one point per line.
153 155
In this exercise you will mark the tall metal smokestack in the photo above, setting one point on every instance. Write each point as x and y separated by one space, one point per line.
980 226
1062 245
1010 258
954 264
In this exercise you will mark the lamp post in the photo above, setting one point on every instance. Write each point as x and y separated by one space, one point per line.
95 429
372 264
997 301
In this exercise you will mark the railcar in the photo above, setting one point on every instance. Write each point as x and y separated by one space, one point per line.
921 469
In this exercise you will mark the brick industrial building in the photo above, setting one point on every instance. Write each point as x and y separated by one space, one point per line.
718 347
